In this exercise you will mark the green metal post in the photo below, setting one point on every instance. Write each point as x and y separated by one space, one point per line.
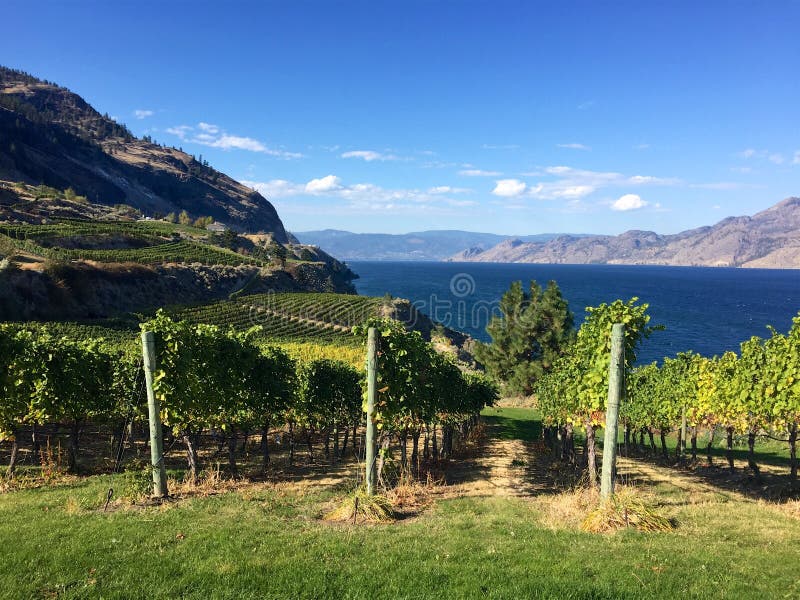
616 377
372 366
154 414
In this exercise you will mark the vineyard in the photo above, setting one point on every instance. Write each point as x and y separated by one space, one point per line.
219 383
307 326
755 395
318 318
153 242
285 417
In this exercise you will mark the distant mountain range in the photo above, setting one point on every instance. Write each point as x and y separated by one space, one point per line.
50 135
436 245
769 239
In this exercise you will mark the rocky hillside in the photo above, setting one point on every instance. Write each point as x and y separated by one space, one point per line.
102 268
51 136
769 239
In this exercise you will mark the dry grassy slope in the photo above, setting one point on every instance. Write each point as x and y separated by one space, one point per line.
770 238
50 135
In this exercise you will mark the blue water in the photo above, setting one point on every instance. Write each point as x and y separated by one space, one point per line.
707 310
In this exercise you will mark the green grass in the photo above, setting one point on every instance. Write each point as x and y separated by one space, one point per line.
513 423
271 545
268 542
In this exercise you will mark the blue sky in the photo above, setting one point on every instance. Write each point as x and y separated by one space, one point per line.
514 118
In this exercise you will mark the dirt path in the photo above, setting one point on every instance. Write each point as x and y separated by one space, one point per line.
506 468
516 468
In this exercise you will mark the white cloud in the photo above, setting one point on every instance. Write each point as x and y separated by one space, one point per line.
479 173
180 131
574 146
228 142
276 188
214 136
586 105
776 158
584 176
208 127
641 146
555 190
140 113
500 146
368 155
573 191
628 202
508 188
362 196
446 189
605 178
649 180
329 183
561 182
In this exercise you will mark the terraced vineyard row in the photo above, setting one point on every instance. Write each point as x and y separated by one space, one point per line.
310 337
339 309
68 228
291 316
169 251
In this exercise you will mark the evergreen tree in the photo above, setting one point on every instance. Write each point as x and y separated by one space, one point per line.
279 254
535 328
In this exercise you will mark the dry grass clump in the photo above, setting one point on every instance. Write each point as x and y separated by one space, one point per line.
568 509
210 481
582 508
411 495
359 507
625 509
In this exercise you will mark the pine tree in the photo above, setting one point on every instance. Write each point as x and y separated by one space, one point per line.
534 329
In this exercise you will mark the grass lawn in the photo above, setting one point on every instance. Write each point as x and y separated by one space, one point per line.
266 541
507 423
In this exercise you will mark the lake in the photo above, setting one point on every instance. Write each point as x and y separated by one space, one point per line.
707 310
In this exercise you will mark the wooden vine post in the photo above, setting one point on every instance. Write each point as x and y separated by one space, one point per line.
372 381
616 382
682 449
154 414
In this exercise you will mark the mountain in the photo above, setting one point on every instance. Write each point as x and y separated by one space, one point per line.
769 239
51 136
80 236
422 245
